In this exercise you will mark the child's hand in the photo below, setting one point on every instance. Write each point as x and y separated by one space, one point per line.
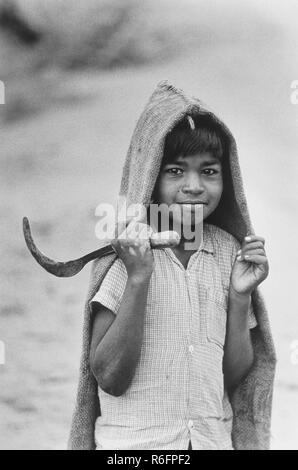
250 267
133 247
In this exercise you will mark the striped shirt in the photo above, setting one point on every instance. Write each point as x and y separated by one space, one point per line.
177 394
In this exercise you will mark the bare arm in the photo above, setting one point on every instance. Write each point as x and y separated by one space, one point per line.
117 340
249 270
238 356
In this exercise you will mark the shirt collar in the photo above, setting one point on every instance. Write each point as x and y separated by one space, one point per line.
207 244
207 240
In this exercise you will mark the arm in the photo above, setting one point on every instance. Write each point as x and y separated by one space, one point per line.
117 340
249 270
238 356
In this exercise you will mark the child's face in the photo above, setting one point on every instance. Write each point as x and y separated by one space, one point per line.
191 179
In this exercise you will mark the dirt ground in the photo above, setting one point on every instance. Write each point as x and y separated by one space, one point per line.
59 164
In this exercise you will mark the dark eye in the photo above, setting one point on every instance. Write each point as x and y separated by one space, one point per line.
213 172
174 171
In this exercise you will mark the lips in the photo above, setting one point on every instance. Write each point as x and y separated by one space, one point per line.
192 207
192 202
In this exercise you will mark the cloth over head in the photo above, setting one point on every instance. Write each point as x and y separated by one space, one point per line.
252 399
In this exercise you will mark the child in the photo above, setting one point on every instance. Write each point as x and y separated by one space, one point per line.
175 350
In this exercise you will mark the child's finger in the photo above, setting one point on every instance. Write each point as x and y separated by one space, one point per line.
251 252
138 212
121 225
251 247
144 231
135 213
254 238
137 230
254 258
126 224
131 228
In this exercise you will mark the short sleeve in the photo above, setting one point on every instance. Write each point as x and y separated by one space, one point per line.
112 287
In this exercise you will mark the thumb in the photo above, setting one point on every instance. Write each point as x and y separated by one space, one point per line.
138 212
134 214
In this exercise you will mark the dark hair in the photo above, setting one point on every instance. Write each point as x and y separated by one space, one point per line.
194 134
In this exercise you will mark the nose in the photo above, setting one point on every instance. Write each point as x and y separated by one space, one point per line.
193 184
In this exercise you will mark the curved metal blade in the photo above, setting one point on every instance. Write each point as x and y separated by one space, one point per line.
71 268
57 268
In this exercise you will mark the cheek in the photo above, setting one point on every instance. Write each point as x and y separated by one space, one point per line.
216 190
219 189
164 190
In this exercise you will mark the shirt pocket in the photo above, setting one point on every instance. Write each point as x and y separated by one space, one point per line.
216 316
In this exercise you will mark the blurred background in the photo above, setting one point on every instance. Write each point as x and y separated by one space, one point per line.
77 76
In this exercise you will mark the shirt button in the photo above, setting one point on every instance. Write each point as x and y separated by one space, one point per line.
191 349
190 424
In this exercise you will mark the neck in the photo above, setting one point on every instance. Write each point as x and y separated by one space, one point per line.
189 244
191 238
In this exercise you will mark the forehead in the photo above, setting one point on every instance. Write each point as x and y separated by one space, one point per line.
200 158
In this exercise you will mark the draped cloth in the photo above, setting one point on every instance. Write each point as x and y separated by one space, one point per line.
252 399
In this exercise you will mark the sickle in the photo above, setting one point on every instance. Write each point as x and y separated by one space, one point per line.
71 268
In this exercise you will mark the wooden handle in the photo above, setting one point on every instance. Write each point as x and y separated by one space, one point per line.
164 239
